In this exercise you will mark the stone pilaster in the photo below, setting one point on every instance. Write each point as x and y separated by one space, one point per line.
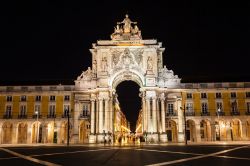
100 116
92 118
75 136
154 115
148 110
144 113
106 121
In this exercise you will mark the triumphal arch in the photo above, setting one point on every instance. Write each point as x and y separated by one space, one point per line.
127 57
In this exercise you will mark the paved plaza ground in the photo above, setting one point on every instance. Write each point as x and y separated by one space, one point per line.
193 154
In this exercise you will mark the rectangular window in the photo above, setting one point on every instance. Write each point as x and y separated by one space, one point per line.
171 108
233 94
23 98
8 110
189 95
23 110
66 98
66 110
248 107
37 110
219 106
85 110
218 95
204 108
52 110
38 98
52 98
190 107
247 94
234 106
203 95
9 98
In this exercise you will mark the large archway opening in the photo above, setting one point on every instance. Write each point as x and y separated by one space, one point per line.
130 102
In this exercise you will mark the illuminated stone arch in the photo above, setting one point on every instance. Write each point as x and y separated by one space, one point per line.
125 75
84 128
191 130
7 130
36 132
205 130
22 132
248 128
171 130
236 127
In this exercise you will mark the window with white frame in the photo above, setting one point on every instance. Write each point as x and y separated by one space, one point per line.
218 95
8 111
219 106
52 98
66 110
23 98
8 98
234 106
170 108
247 94
233 94
189 107
248 107
23 110
204 108
66 98
203 95
189 96
38 98
52 110
85 110
37 109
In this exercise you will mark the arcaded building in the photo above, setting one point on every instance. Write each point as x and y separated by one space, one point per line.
88 111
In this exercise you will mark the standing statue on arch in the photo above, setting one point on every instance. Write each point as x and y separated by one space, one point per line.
127 24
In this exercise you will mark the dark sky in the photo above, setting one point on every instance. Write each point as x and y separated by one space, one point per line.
48 42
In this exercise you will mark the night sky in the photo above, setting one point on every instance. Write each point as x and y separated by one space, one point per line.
48 42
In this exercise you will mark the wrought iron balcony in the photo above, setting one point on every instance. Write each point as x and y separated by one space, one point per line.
51 116
21 116
235 113
65 116
205 113
171 114
190 113
7 116
221 113
84 116
35 116
247 113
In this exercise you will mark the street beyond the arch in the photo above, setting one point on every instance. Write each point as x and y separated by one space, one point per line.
176 154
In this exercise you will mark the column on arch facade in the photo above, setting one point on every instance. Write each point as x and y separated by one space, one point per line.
100 115
154 115
144 113
148 110
92 120
163 115
106 115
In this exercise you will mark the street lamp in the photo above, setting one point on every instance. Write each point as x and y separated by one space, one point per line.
185 125
37 114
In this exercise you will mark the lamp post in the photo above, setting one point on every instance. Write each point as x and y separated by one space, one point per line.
185 125
37 114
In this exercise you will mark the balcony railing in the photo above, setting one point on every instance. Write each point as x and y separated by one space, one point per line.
35 116
84 116
21 116
205 113
235 113
221 113
171 114
51 116
190 113
65 116
247 113
7 116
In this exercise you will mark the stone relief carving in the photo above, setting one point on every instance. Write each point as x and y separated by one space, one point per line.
127 58
86 75
138 55
116 56
168 74
149 63
104 64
